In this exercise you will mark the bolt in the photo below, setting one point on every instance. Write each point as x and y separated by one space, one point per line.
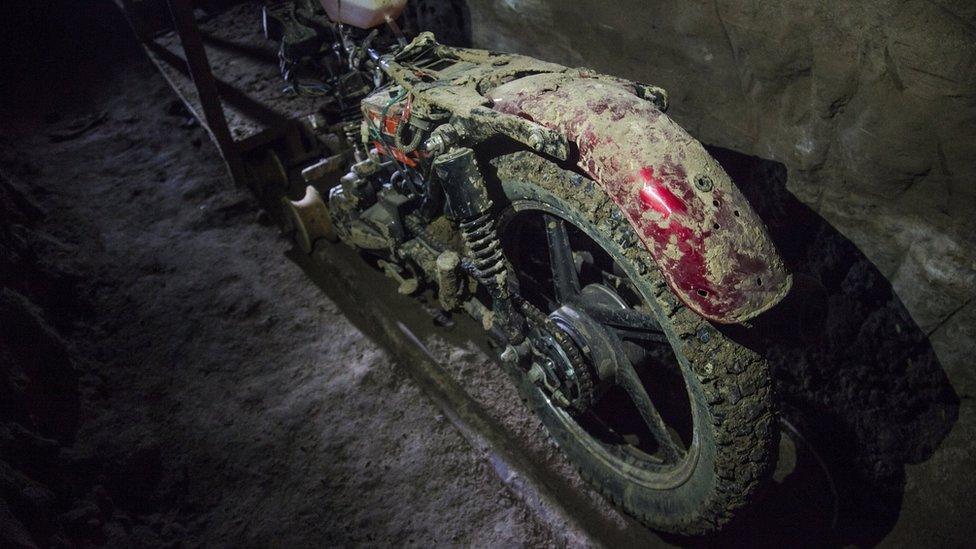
408 286
560 398
704 183
435 144
537 140
535 374
316 121
510 355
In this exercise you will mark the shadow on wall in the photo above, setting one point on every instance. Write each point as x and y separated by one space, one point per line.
449 20
863 396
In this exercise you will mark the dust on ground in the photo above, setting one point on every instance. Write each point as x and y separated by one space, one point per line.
211 394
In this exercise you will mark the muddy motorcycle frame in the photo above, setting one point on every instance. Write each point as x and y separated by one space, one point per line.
501 136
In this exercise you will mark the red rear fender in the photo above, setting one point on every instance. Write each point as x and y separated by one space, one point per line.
710 245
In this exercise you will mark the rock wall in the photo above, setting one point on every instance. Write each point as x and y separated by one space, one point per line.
39 404
869 105
870 108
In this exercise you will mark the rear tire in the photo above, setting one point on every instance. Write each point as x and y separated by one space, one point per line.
732 446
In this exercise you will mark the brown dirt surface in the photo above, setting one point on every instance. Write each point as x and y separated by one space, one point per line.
222 399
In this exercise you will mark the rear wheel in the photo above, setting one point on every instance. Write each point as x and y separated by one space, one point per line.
673 422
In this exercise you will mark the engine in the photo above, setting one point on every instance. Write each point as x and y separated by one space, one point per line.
390 204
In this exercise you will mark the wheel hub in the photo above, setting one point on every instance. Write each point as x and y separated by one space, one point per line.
576 355
558 368
599 347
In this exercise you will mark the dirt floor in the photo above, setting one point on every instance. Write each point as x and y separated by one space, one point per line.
218 396
173 372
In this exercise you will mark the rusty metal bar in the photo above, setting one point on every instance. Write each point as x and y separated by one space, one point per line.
134 16
203 79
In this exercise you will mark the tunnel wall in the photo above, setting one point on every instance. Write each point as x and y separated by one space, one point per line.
870 105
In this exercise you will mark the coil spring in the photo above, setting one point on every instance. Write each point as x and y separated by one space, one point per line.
350 119
350 113
351 131
486 251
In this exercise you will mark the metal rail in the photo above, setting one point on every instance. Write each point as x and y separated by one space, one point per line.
203 79
207 97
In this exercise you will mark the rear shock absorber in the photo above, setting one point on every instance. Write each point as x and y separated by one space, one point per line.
468 200
486 252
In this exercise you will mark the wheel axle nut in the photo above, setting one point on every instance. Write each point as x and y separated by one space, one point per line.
510 355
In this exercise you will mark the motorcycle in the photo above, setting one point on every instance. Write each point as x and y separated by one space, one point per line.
594 239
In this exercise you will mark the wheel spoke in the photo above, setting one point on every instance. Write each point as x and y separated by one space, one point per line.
640 335
564 275
632 319
635 338
530 286
627 323
629 380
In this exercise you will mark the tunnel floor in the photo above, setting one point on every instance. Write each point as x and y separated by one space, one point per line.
193 379
222 396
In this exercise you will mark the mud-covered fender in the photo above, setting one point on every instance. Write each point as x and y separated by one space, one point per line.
710 245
